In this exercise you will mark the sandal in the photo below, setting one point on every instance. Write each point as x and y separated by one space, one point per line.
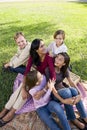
1 117
81 120
2 122
85 128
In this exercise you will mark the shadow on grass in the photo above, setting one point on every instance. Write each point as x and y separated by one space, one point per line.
83 2
38 30
6 86
12 22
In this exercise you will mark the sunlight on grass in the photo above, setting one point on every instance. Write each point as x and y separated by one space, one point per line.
40 20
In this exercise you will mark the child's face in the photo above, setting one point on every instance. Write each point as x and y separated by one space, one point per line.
39 77
59 61
21 42
59 40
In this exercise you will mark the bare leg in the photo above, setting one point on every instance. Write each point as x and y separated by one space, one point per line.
3 112
9 115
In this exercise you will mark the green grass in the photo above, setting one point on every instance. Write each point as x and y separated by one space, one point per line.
40 19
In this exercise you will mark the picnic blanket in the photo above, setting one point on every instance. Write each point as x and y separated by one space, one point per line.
30 120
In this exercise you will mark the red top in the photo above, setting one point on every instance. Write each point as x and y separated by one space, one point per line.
48 62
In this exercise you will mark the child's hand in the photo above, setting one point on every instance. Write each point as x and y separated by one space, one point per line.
69 101
77 99
51 84
6 65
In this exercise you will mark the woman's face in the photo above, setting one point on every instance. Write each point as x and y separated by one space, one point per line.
39 77
59 61
42 48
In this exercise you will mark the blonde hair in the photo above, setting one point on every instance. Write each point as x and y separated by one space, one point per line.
58 32
17 35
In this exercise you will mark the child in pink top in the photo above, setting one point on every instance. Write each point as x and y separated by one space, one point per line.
35 81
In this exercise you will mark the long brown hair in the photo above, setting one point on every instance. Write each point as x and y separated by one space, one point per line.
33 51
66 61
31 79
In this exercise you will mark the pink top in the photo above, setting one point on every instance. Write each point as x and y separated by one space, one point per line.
47 63
45 98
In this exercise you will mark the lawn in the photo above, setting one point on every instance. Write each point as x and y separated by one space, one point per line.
40 19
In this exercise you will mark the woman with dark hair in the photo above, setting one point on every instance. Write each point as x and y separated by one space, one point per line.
40 59
68 95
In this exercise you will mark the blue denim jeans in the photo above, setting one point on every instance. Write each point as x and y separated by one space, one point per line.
20 69
68 93
45 115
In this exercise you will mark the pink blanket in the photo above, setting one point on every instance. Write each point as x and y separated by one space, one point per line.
29 105
83 91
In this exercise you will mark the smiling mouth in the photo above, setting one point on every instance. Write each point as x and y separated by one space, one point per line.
56 64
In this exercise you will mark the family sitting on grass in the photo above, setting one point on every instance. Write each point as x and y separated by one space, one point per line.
43 83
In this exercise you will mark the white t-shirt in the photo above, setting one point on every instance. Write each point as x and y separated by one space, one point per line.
54 50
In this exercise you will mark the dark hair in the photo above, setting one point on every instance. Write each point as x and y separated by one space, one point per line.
35 46
17 35
66 61
31 79
58 32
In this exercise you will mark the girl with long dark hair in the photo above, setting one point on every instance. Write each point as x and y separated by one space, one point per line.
63 93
